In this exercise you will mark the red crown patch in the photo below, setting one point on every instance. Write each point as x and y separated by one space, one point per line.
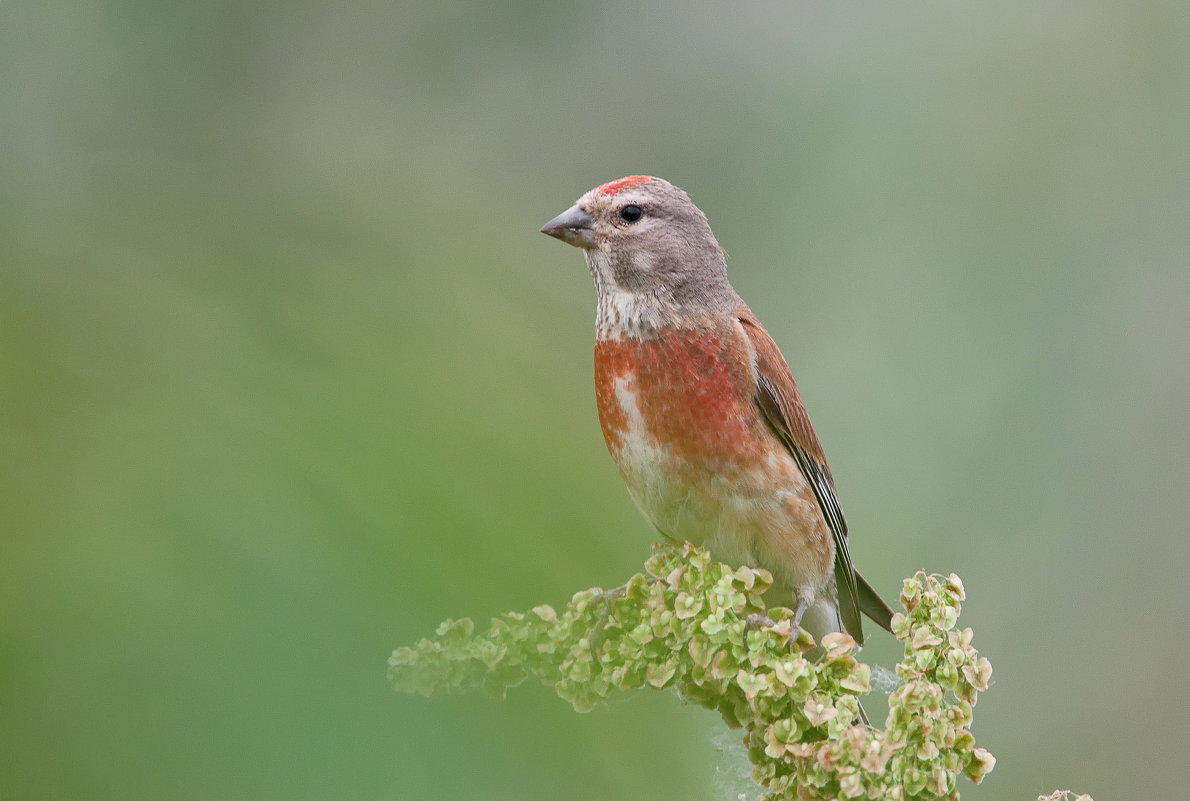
620 184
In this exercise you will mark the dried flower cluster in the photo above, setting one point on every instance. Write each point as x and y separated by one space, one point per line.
701 628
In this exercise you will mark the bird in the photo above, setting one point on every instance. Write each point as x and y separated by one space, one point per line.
699 409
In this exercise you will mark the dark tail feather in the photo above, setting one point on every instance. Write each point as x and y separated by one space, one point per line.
865 600
872 605
850 602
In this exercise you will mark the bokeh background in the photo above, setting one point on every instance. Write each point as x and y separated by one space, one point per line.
287 374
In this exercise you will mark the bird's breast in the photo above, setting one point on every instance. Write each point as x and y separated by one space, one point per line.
678 416
685 395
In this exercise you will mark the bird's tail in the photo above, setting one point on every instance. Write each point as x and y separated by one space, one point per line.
872 605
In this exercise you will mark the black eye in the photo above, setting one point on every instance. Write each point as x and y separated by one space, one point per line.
630 213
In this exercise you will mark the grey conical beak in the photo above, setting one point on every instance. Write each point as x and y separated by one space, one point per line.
573 226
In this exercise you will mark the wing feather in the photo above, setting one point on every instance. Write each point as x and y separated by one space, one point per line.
778 398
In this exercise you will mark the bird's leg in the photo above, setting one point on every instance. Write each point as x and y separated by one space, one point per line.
803 599
799 609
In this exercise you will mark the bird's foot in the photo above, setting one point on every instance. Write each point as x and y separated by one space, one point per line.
757 621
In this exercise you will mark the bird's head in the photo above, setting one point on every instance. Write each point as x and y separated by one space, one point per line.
644 236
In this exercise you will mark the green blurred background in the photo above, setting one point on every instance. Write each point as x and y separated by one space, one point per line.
287 374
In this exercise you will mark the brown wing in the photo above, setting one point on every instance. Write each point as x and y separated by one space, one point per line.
779 400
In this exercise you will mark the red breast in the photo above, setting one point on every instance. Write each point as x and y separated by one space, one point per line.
692 389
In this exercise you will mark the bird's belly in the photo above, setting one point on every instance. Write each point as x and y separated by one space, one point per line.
689 502
756 516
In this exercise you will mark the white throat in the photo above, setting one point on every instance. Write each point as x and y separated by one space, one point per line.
623 313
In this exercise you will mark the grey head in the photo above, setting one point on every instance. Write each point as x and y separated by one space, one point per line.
650 251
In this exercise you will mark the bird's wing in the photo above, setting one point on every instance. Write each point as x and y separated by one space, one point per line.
778 398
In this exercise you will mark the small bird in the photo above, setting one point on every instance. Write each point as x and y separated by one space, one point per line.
698 407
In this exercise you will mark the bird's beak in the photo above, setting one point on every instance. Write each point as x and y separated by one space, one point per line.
573 226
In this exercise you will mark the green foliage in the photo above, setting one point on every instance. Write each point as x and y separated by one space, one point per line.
701 628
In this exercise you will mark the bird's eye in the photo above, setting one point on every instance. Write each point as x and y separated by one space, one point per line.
630 213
